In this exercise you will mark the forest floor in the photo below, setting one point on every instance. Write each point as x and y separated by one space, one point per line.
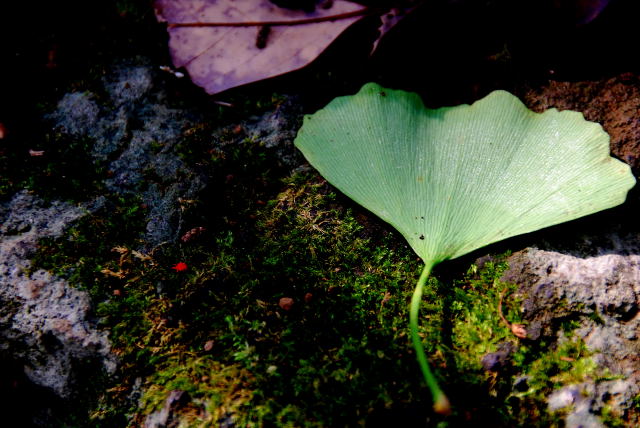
170 260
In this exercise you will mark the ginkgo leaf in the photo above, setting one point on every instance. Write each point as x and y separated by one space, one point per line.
455 179
228 43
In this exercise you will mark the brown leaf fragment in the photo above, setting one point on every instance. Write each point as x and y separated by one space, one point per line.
109 272
192 234
140 256
224 43
519 330
286 303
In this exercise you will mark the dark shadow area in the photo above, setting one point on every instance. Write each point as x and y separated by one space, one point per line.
22 403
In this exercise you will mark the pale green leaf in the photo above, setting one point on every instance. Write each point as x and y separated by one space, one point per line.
454 179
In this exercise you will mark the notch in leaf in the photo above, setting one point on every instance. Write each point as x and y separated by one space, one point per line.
455 179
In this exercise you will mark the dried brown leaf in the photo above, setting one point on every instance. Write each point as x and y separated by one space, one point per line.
228 43
519 330
109 272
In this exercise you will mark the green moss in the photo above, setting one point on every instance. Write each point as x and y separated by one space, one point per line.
207 143
546 369
216 390
339 356
82 254
59 166
477 327
611 418
569 363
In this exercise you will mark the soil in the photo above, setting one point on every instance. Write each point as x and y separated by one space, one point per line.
614 103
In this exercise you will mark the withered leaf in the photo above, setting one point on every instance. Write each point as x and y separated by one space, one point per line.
228 43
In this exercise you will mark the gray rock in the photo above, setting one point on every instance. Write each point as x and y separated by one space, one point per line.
495 361
579 399
44 322
564 397
277 130
127 84
599 292
79 115
136 134
168 416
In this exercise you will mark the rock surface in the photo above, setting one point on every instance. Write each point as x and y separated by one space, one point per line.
594 277
44 322
135 134
601 293
168 416
277 130
580 399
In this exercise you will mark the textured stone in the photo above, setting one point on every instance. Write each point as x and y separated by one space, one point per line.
168 416
136 134
277 129
579 399
600 292
495 361
44 323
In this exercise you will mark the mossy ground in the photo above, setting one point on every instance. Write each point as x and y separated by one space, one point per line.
340 356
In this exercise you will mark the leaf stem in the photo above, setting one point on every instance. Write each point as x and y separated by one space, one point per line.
302 21
440 401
